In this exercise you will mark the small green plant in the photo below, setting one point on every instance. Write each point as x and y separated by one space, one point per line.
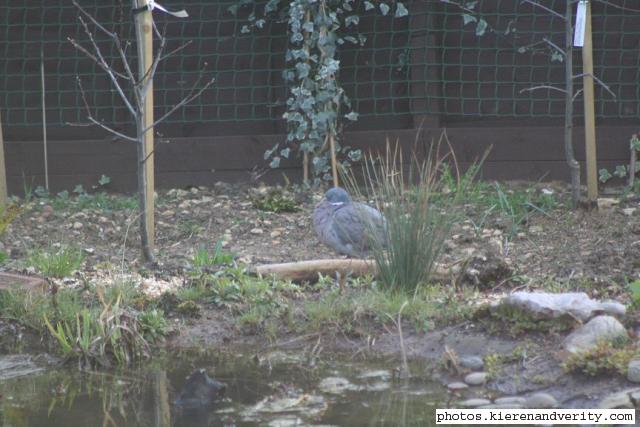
605 358
56 262
516 322
153 325
274 200
622 171
202 258
7 215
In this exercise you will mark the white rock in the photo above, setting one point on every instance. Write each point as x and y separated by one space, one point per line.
629 211
77 225
457 386
549 306
633 371
256 231
616 400
510 400
601 328
474 403
607 203
541 400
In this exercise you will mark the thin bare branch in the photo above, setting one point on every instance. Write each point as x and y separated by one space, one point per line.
110 72
551 11
597 80
111 130
176 50
555 46
93 120
608 3
578 92
93 20
193 94
549 87
94 58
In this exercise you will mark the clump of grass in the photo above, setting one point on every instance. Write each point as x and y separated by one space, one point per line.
605 358
56 262
203 258
274 200
420 210
516 322
86 326
7 215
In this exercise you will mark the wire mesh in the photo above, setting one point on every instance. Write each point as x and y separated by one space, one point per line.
429 63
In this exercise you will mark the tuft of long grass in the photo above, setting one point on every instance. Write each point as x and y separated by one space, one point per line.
420 202
56 262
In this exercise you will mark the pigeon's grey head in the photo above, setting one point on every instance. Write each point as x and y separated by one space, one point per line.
337 196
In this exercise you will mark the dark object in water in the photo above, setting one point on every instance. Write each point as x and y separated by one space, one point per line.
200 390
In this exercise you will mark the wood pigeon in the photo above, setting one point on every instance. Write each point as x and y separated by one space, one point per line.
345 226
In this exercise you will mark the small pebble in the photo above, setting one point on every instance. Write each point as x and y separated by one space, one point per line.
256 231
541 400
471 362
510 400
457 386
77 225
474 403
476 378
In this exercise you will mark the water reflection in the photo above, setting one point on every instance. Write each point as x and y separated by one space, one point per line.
277 390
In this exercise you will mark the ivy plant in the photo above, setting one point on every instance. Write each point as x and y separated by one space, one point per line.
317 102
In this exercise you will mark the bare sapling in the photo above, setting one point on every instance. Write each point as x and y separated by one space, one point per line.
133 91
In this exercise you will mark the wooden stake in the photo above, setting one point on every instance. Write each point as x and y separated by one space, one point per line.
589 110
3 173
44 124
334 161
144 33
305 168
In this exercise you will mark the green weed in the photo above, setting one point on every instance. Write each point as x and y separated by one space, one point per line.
274 200
56 262
605 358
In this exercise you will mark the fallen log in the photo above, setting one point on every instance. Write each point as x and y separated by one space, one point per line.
310 270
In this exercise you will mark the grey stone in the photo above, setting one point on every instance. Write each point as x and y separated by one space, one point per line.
474 403
541 400
633 371
616 400
548 306
471 362
598 329
457 386
510 400
476 378
635 395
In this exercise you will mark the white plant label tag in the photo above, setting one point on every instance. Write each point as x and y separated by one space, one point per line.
581 21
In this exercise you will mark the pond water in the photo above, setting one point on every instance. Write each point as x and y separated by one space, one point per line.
277 389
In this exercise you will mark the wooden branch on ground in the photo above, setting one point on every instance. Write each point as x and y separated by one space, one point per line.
310 270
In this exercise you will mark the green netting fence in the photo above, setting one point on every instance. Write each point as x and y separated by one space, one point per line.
430 63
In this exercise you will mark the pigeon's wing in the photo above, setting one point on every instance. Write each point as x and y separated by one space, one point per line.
324 224
375 222
348 227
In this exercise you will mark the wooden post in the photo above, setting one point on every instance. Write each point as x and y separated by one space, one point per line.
3 173
144 35
334 160
589 109
44 123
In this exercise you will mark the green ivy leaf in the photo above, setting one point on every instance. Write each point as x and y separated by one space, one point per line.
351 19
384 8
245 29
368 5
621 171
557 56
285 152
401 10
468 18
275 162
104 180
604 175
481 27
353 116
